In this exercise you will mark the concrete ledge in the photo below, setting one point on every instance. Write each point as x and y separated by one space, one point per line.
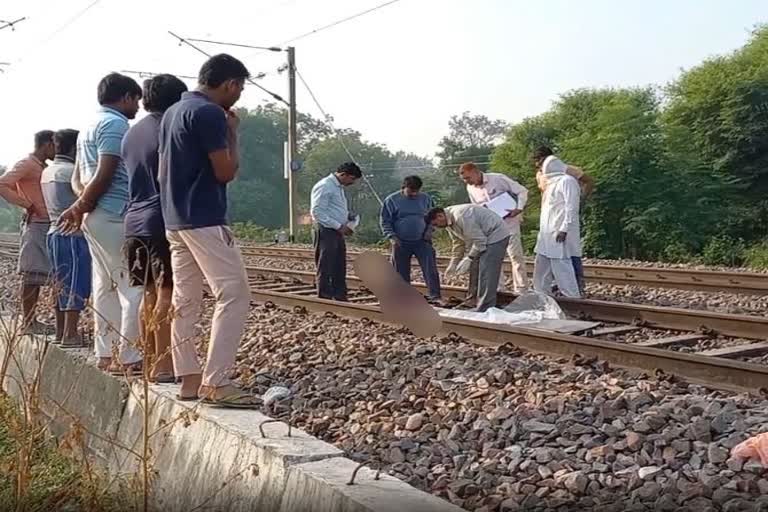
70 389
322 486
202 457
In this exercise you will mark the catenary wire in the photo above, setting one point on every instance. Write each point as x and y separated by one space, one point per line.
329 120
251 81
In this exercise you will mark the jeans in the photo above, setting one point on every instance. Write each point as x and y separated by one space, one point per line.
578 269
425 255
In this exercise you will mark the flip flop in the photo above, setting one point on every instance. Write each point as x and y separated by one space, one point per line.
187 398
239 400
164 378
131 369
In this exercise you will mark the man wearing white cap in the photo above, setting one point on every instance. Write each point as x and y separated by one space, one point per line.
559 237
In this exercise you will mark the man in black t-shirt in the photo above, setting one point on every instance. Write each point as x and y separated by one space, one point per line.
198 157
147 251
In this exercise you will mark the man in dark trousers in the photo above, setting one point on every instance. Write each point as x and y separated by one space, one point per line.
402 222
331 217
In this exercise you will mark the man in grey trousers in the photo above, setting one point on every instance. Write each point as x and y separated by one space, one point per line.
487 235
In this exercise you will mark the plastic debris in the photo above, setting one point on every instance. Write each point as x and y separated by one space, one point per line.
753 448
274 394
528 308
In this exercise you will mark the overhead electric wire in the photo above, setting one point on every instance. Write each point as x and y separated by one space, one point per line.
239 45
71 20
329 120
11 24
150 74
315 31
339 22
251 81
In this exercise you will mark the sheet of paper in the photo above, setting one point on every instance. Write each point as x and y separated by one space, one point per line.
501 204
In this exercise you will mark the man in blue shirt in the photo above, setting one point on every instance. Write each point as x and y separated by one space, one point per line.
148 253
402 222
101 181
198 157
330 213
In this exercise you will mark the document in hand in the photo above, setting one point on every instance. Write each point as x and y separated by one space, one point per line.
501 204
354 223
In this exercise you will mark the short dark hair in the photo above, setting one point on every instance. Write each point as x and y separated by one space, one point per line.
432 214
220 68
65 141
541 153
114 87
162 91
350 168
43 137
412 182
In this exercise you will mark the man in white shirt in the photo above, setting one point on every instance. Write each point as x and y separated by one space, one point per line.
541 157
559 237
484 186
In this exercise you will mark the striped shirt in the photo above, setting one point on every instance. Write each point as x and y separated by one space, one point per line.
104 136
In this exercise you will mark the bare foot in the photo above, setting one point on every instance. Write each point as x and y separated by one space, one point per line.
105 363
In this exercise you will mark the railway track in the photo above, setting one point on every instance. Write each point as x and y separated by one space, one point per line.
750 283
753 283
717 367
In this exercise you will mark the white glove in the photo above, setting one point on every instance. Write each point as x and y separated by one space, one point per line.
463 266
450 271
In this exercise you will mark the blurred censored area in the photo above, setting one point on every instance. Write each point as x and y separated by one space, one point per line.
400 302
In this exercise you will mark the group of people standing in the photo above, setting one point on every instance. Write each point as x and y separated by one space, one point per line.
134 218
481 237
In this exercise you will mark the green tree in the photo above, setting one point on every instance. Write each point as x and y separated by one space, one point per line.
717 120
616 136
325 157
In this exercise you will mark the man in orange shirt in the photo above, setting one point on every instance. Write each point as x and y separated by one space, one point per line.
20 186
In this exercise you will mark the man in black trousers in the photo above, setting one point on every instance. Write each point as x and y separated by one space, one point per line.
331 218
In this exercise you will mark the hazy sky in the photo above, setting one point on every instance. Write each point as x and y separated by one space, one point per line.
396 75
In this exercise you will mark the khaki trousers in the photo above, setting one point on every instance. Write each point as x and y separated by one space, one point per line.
208 253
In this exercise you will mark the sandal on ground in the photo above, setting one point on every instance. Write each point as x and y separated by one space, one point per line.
182 398
164 378
38 329
72 343
129 369
237 400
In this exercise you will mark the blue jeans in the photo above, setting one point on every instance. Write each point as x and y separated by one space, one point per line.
425 255
578 268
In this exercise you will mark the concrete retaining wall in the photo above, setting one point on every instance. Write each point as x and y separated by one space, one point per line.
205 458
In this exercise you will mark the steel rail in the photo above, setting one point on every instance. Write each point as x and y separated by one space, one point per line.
751 283
710 371
741 326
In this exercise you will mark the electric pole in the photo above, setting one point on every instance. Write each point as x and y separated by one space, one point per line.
293 161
